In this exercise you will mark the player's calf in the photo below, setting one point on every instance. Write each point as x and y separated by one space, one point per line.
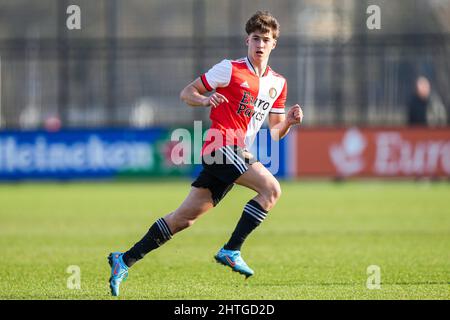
179 221
252 216
158 234
197 202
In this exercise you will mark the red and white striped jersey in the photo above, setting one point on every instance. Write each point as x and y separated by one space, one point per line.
251 99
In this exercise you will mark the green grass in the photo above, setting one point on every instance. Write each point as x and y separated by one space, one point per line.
316 243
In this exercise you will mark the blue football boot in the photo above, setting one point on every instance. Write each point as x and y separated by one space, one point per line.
119 271
233 259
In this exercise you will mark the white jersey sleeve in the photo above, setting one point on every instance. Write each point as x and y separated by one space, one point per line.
218 76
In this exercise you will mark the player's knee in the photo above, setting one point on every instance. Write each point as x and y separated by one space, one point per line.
275 192
271 194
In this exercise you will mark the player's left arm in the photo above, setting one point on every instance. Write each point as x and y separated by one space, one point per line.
280 124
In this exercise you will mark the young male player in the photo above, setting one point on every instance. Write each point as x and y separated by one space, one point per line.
245 93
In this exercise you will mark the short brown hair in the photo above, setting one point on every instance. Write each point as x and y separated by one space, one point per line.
263 21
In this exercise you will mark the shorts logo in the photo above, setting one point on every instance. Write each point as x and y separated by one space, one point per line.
273 93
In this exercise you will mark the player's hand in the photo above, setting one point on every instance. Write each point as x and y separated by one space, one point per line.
295 115
215 99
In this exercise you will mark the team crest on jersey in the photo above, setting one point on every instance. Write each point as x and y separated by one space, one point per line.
272 93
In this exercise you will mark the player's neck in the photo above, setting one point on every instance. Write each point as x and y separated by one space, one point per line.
258 67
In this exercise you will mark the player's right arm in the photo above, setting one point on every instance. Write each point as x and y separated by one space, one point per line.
218 76
194 95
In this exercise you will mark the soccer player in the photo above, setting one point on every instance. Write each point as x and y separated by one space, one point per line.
245 92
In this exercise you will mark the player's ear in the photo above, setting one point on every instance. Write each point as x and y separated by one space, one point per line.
274 44
247 40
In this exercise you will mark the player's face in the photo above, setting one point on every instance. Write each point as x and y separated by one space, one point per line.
260 45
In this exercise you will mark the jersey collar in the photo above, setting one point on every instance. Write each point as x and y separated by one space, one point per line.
252 69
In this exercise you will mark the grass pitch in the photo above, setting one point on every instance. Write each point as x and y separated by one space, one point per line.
317 243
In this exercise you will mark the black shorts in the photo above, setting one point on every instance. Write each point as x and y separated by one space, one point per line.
221 169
